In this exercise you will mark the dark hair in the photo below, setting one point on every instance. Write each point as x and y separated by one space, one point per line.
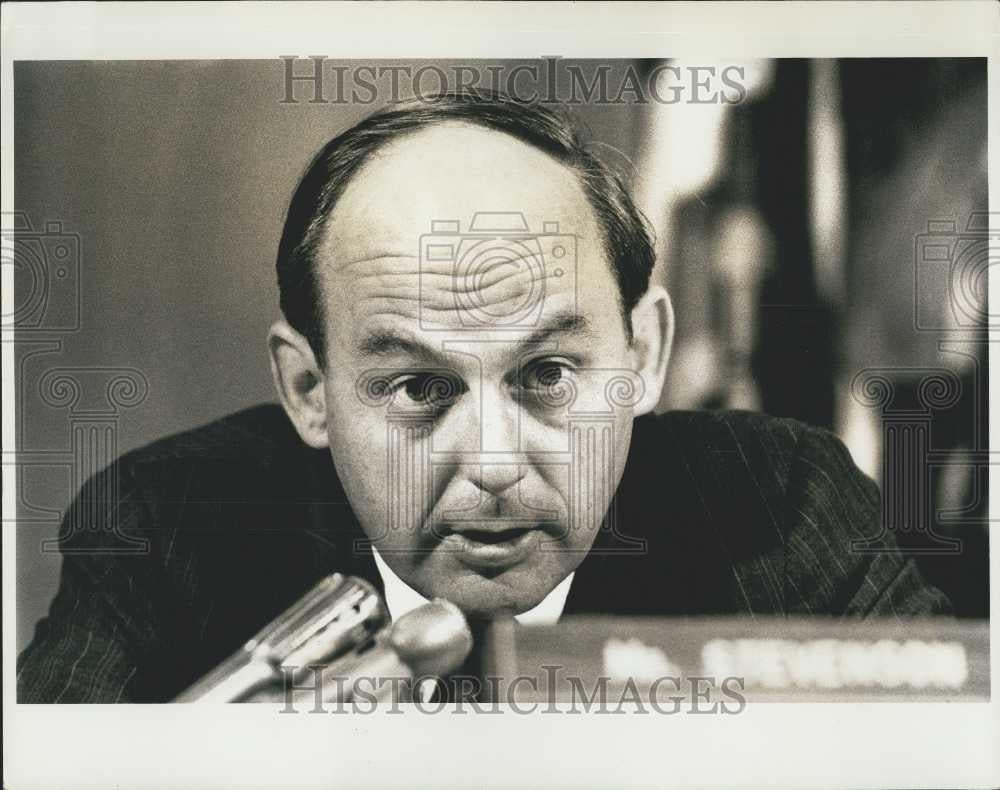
626 238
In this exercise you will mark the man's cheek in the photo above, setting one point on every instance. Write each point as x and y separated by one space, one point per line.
357 442
392 475
550 501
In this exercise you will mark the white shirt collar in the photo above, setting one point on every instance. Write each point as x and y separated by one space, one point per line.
400 598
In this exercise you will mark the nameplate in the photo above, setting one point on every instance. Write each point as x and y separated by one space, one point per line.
755 659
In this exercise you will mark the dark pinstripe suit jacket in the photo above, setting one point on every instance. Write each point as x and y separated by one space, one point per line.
717 513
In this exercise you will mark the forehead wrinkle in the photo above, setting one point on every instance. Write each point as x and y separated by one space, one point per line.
396 343
493 278
385 278
384 270
512 245
412 300
395 280
379 263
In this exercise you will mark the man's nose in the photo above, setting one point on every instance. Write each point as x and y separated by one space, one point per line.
495 479
492 459
498 424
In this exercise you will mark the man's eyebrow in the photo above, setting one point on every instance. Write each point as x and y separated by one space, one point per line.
386 342
564 323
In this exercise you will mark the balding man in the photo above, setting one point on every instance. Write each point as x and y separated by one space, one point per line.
468 366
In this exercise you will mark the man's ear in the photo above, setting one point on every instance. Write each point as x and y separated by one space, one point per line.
299 381
652 339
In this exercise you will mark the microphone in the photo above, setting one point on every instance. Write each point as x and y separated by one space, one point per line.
429 641
339 615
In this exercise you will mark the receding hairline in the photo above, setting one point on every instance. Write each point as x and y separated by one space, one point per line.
572 178
621 228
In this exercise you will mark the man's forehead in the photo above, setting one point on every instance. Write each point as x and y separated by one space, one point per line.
458 231
449 173
456 299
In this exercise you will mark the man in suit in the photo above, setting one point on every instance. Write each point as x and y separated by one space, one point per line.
468 366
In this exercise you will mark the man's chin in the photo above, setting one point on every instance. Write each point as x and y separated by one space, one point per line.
488 610
482 597
484 589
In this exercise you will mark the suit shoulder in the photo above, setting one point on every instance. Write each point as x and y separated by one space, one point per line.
740 451
246 468
746 456
256 435
725 429
254 453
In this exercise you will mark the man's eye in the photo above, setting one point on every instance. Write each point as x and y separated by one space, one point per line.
545 376
427 391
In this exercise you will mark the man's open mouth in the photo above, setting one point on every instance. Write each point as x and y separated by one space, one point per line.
492 537
494 546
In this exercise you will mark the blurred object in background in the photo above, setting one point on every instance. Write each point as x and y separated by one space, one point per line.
713 246
795 230
916 162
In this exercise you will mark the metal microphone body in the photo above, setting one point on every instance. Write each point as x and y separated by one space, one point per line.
429 641
339 615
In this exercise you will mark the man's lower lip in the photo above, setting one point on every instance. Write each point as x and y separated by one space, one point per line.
493 554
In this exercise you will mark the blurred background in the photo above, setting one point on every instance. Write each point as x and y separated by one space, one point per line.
821 226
